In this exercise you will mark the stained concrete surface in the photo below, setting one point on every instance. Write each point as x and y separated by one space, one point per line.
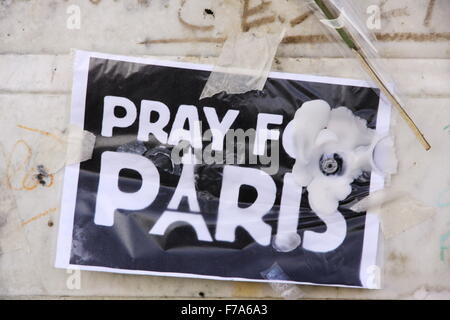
35 67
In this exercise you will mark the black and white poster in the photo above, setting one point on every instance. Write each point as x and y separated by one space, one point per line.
179 186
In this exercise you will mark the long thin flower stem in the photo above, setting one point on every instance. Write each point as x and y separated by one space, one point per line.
351 43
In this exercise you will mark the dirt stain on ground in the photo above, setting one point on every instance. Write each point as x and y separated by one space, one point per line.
251 11
300 19
38 216
427 20
400 12
318 38
246 289
191 25
397 263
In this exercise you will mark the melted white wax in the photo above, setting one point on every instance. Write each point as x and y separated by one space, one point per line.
320 130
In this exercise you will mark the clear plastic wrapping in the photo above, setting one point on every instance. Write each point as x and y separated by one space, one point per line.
132 208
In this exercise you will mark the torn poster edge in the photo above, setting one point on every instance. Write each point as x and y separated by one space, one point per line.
68 199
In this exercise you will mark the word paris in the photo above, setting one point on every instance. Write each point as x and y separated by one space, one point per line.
230 214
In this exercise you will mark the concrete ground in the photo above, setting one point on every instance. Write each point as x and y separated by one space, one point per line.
36 38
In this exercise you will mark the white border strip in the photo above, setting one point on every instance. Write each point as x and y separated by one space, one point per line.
70 186
71 175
